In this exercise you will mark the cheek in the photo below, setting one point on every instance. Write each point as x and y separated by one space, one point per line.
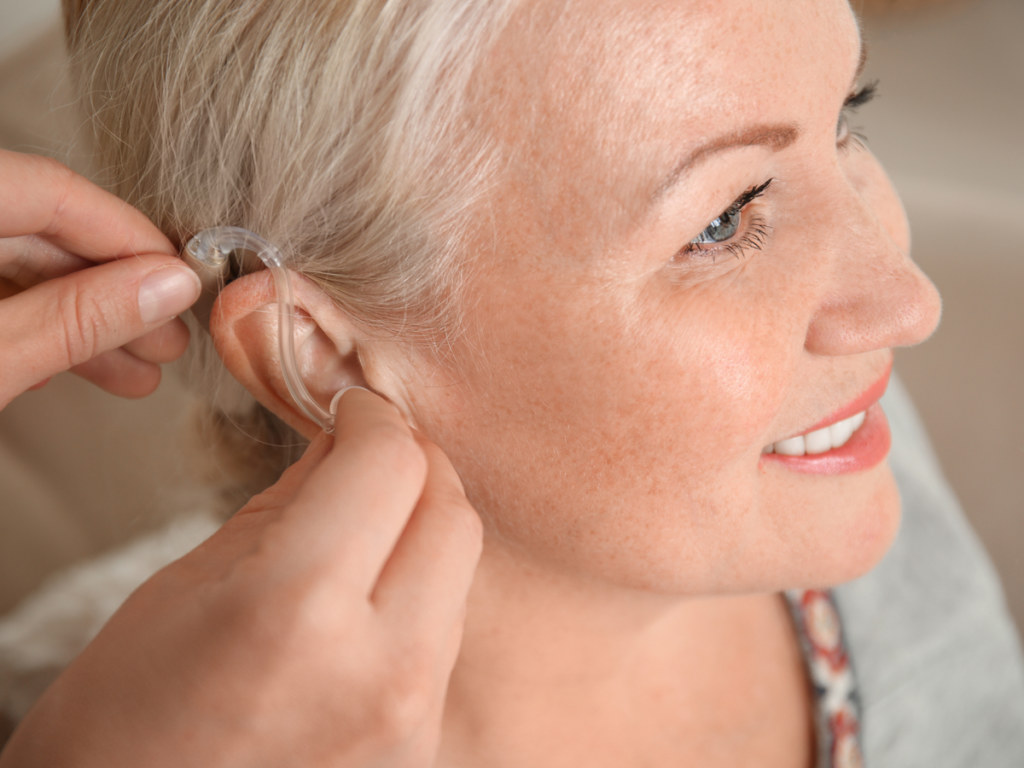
627 431
717 368
664 384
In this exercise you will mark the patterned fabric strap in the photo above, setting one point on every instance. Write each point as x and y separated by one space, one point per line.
835 686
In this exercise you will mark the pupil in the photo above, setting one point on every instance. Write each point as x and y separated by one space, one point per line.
724 227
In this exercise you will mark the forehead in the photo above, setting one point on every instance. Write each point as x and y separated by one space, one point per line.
593 100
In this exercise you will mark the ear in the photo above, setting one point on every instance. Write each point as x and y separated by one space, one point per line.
328 349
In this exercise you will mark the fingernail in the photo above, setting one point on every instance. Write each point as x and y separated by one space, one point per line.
167 292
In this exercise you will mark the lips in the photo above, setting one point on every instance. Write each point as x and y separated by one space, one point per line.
853 438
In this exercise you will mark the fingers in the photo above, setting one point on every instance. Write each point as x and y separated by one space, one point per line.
291 481
428 576
27 260
121 374
56 313
68 321
133 371
354 505
161 345
41 196
380 512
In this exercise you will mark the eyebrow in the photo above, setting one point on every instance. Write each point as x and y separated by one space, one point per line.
775 137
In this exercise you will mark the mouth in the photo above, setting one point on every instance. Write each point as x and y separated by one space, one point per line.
854 437
821 440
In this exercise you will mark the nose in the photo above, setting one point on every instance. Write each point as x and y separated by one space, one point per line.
876 296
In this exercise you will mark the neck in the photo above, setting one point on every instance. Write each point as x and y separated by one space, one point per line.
542 648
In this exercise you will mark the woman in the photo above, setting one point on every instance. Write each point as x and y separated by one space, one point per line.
623 264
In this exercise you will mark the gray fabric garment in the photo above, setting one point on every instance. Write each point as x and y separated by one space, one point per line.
937 657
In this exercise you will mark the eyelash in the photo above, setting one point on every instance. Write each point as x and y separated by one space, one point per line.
754 237
757 229
853 102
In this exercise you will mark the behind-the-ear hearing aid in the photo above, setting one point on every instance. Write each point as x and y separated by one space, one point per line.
212 248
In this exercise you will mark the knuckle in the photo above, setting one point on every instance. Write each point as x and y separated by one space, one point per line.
282 617
405 701
280 599
49 165
62 178
81 320
269 500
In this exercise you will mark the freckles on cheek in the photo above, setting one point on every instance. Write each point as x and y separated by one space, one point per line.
729 376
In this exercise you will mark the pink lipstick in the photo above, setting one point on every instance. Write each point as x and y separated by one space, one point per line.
854 438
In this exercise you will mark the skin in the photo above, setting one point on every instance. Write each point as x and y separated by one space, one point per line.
229 656
606 412
72 261
612 442
609 403
636 392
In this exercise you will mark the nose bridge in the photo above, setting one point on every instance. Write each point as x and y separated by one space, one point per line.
876 296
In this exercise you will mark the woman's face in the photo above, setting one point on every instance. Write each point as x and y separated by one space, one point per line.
687 258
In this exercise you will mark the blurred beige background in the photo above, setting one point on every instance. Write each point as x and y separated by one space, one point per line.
81 471
948 127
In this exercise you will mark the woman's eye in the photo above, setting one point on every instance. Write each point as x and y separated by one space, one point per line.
727 224
721 229
730 231
860 97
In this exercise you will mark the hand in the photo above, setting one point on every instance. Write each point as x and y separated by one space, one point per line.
318 627
87 283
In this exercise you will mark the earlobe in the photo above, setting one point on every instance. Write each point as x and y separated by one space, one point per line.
244 326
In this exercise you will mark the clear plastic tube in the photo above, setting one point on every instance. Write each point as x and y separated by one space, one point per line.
212 247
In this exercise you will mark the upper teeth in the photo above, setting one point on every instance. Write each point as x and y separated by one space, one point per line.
820 440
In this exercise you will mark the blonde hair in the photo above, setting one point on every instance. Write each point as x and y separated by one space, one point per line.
336 129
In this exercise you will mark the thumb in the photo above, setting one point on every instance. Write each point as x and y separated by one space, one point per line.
69 320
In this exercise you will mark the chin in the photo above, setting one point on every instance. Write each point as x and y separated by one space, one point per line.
867 536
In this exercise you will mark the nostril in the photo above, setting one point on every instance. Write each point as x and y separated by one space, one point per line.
898 308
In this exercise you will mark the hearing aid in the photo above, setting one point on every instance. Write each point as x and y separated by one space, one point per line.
212 249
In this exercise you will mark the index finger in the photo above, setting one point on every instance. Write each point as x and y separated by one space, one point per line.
354 505
39 196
